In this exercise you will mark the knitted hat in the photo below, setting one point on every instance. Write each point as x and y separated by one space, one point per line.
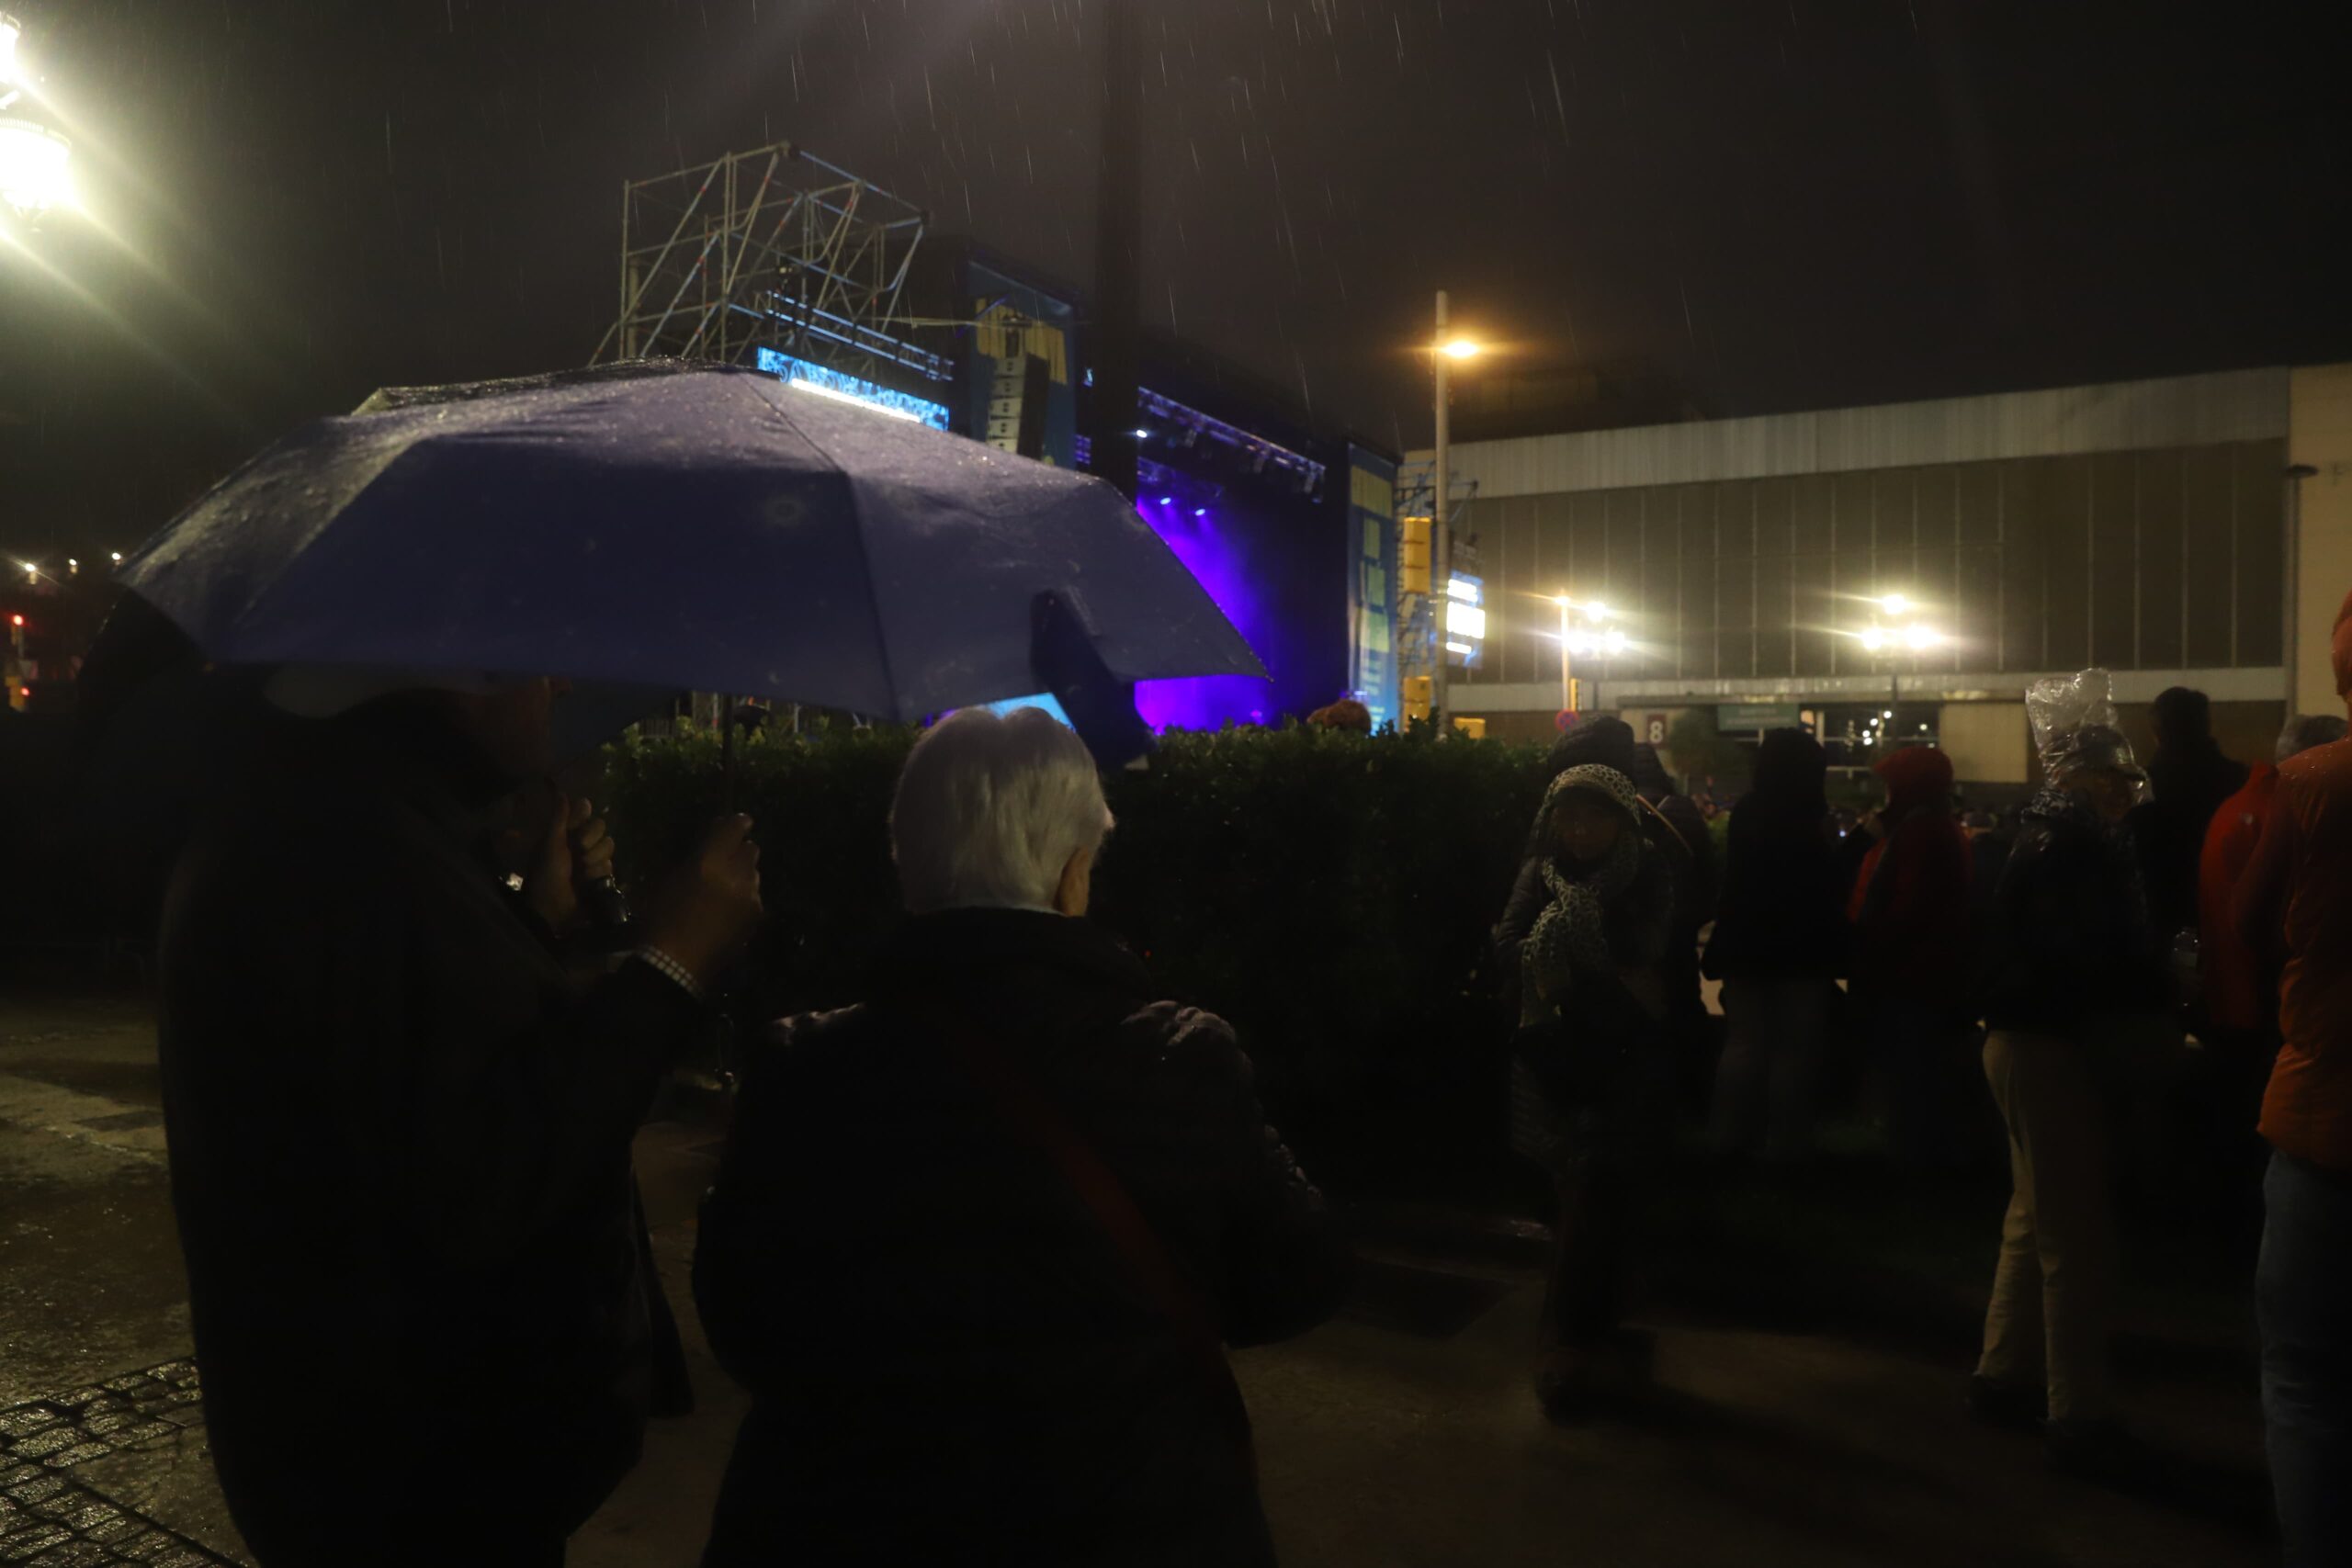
1591 778
1914 774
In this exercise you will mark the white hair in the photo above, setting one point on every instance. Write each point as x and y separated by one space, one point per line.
989 810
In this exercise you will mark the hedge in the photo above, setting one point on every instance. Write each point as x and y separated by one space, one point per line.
1330 893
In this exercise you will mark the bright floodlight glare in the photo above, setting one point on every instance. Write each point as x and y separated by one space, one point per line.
33 173
118 557
1579 642
1597 611
1895 603
1461 348
1142 435
1562 600
1873 640
1615 641
1888 714
9 31
1922 638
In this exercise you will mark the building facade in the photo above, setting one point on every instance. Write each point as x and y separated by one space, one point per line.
1910 568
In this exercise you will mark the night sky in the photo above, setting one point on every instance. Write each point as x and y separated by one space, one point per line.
1766 205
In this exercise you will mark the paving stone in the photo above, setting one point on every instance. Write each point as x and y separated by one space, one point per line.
187 1415
33 1490
75 1554
23 1420
28 1544
81 1453
48 1442
17 1476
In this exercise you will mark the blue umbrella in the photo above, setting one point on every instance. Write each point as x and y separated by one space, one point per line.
680 526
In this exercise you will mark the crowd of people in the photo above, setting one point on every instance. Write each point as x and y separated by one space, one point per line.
2148 964
997 1226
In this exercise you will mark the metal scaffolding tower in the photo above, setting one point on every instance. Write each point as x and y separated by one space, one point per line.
1417 640
771 248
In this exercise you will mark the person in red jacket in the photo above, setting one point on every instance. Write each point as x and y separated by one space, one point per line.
1910 917
2294 904
2240 1002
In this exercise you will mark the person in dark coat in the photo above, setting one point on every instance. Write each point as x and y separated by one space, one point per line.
2188 778
1670 823
1912 962
1591 1078
950 1358
1778 946
399 1132
2076 994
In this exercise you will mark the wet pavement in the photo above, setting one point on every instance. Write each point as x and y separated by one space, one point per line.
1398 1435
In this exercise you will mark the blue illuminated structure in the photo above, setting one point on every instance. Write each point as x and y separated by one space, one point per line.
824 380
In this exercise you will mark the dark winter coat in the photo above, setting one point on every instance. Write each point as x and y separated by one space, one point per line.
399 1156
2190 779
2072 947
947 1359
1782 915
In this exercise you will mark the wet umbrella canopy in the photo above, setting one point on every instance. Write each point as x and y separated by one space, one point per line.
671 525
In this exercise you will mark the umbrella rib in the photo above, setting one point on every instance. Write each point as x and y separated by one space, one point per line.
857 531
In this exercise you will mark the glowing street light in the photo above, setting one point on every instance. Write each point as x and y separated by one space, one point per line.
1895 604
1874 639
118 557
1921 638
1460 348
34 176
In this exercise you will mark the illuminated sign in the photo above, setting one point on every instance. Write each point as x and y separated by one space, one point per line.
824 381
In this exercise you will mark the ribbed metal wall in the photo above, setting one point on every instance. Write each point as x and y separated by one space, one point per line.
2120 416
2168 558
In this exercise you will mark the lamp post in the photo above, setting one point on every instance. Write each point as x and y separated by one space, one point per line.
1912 638
1443 348
1591 634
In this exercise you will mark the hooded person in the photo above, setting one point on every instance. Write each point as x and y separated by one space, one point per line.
1908 909
1590 1078
1778 947
2076 994
2294 910
1675 831
2188 778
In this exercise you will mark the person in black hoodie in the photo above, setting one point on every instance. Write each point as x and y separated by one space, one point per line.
2075 995
2188 778
1778 946
976 1245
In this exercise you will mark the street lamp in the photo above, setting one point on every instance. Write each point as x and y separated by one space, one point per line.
1585 637
1444 350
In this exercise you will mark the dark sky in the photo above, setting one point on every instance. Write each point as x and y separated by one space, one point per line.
1770 204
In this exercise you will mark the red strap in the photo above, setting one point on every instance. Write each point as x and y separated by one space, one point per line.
1038 1122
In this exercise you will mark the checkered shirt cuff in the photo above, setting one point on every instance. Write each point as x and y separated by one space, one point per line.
670 967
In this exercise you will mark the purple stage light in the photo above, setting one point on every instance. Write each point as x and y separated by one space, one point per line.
1220 567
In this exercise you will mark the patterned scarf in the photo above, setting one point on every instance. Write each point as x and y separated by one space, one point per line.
1570 938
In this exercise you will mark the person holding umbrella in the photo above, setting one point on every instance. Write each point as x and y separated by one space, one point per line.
400 1128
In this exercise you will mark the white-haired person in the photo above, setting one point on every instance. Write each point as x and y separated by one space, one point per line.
978 1243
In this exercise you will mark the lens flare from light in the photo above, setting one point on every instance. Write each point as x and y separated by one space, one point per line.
34 168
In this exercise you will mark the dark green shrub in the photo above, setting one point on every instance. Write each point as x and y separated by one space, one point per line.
1330 893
